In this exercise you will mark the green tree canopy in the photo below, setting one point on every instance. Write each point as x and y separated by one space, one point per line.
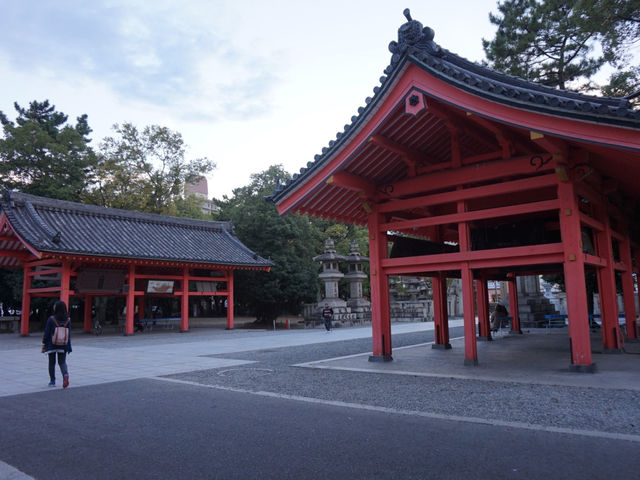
41 155
562 43
290 242
147 171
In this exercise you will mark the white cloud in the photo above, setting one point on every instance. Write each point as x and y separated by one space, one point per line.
247 83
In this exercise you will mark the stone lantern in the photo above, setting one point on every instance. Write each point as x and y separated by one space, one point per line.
355 276
331 274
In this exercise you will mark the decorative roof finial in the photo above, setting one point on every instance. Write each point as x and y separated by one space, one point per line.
413 35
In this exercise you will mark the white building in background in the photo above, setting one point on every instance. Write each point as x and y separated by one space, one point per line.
201 190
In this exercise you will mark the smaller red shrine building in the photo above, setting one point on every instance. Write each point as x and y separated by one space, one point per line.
478 175
70 250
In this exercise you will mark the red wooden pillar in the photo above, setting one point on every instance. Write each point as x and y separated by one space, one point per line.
627 289
607 284
26 301
128 323
574 279
470 342
440 313
65 282
140 305
512 286
482 299
230 313
470 345
184 320
380 314
88 301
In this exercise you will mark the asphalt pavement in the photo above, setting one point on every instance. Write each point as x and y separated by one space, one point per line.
213 403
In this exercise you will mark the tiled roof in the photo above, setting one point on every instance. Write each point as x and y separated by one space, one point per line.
56 226
415 45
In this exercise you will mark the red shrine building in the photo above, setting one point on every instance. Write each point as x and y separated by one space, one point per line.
462 172
69 250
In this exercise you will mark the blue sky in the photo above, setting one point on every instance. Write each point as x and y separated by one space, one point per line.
248 84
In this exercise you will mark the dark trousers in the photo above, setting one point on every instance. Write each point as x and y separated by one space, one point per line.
62 361
327 323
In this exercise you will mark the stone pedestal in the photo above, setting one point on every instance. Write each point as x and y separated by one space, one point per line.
532 304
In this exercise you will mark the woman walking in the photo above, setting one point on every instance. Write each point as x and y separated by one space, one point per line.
59 319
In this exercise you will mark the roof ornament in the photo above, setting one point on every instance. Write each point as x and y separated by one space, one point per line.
413 36
54 236
6 197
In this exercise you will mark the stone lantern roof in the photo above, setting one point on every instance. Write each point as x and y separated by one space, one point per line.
329 253
354 254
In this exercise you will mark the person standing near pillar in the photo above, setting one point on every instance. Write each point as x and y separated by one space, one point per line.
327 316
59 318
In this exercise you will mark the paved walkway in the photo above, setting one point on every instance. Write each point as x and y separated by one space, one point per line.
112 358
535 357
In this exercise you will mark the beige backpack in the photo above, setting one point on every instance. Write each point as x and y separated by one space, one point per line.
60 335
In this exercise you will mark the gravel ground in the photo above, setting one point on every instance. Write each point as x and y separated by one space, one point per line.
615 411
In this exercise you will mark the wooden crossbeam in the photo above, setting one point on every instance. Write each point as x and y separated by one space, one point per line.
532 207
350 181
469 193
460 122
522 165
411 157
550 144
496 258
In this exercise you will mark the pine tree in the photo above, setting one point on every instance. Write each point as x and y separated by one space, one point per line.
562 43
42 155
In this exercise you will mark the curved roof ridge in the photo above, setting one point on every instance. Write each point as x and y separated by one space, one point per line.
90 230
39 221
521 82
415 44
109 212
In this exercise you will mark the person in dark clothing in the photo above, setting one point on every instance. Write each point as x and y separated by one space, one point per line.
327 316
497 316
61 316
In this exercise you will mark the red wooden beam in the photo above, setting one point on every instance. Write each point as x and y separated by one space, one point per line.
550 144
21 256
619 266
594 260
502 263
546 205
484 157
352 182
524 165
506 141
499 257
456 119
413 158
591 222
469 193
44 289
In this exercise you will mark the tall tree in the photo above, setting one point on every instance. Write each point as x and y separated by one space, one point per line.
41 155
624 83
290 241
147 171
562 43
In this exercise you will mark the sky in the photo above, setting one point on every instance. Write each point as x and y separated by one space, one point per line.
248 84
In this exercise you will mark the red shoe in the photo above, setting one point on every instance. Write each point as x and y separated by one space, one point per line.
65 382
